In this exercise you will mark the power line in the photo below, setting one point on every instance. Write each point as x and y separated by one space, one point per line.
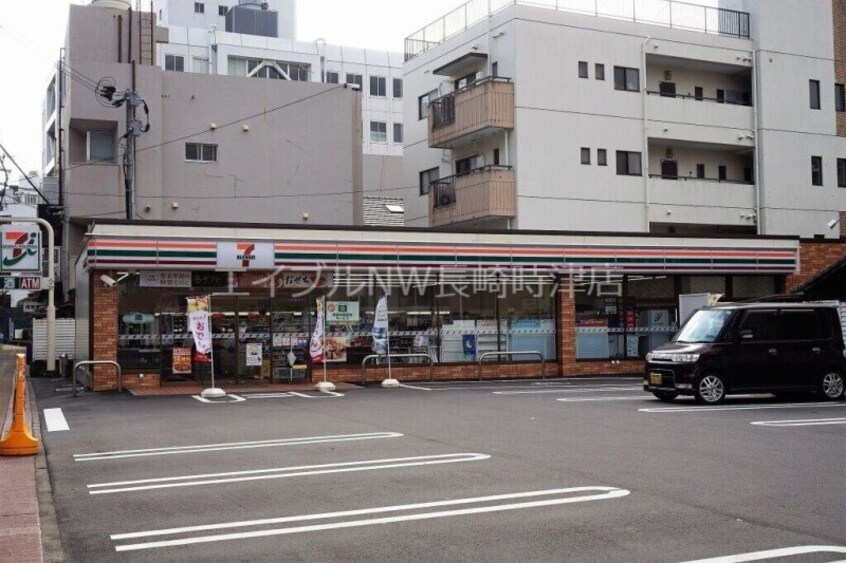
223 126
25 175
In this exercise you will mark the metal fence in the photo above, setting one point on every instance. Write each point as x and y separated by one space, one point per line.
668 13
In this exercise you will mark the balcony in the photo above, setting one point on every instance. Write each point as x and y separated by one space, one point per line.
483 193
701 201
700 119
460 116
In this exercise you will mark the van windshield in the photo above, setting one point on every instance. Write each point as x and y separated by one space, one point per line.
703 326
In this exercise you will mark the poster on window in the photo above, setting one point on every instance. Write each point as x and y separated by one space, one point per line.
336 349
181 361
254 354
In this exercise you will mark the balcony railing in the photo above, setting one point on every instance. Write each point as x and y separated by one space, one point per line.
703 179
724 100
667 13
483 104
483 193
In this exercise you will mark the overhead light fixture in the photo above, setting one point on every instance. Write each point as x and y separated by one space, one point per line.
833 223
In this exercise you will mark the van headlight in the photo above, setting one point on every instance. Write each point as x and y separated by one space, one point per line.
684 358
672 358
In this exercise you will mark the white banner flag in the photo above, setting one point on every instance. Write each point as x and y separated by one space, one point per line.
200 326
380 327
316 348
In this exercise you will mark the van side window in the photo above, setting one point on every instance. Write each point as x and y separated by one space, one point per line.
762 324
799 324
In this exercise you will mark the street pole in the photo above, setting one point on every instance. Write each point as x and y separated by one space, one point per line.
51 286
129 154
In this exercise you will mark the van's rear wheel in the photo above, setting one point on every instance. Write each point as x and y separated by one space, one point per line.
666 396
831 386
710 389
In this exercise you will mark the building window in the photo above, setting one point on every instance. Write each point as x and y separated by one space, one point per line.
602 157
599 71
331 77
700 171
175 63
583 69
200 152
200 65
722 173
100 146
398 133
698 93
398 88
199 8
626 79
816 170
748 175
221 10
628 163
841 172
356 79
840 97
426 179
423 104
275 70
378 86
495 69
496 157
721 96
585 155
378 132
468 80
814 87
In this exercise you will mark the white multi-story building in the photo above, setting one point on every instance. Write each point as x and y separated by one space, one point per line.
258 39
648 116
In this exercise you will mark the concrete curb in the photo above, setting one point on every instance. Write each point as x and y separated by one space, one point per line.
51 541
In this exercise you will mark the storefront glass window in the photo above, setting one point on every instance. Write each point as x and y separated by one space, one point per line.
753 287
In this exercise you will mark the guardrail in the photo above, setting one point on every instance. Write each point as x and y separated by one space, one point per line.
511 354
375 356
97 363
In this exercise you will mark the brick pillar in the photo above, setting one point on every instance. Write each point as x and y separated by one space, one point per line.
104 334
838 16
566 316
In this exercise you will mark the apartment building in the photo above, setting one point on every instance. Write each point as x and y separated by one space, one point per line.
663 117
218 148
249 38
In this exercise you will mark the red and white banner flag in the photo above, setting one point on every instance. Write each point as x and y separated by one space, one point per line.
200 325
316 347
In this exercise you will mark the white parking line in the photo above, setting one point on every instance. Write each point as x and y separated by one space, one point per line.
639 389
55 420
560 497
600 399
707 409
800 422
472 387
101 456
773 554
281 473
415 387
232 398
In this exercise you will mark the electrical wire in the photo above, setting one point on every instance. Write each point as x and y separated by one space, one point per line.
222 126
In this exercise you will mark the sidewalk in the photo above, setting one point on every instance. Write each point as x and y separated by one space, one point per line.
20 527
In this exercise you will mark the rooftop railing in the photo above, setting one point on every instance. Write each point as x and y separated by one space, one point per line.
667 13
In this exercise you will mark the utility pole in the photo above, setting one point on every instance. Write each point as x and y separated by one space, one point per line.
134 128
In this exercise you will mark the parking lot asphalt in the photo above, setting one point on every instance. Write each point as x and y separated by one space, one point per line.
592 470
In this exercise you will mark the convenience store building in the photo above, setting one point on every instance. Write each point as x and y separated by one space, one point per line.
590 303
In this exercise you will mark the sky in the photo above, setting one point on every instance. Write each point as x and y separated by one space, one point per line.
32 31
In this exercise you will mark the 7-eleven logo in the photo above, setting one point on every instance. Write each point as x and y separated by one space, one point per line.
18 246
246 253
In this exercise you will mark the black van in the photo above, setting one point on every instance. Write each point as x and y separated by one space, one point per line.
751 348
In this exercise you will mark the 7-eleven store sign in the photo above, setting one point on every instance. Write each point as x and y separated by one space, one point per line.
245 256
21 249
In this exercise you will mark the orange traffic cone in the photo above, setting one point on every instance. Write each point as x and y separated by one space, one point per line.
19 440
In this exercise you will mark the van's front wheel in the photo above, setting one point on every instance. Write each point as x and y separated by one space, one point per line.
831 386
710 389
